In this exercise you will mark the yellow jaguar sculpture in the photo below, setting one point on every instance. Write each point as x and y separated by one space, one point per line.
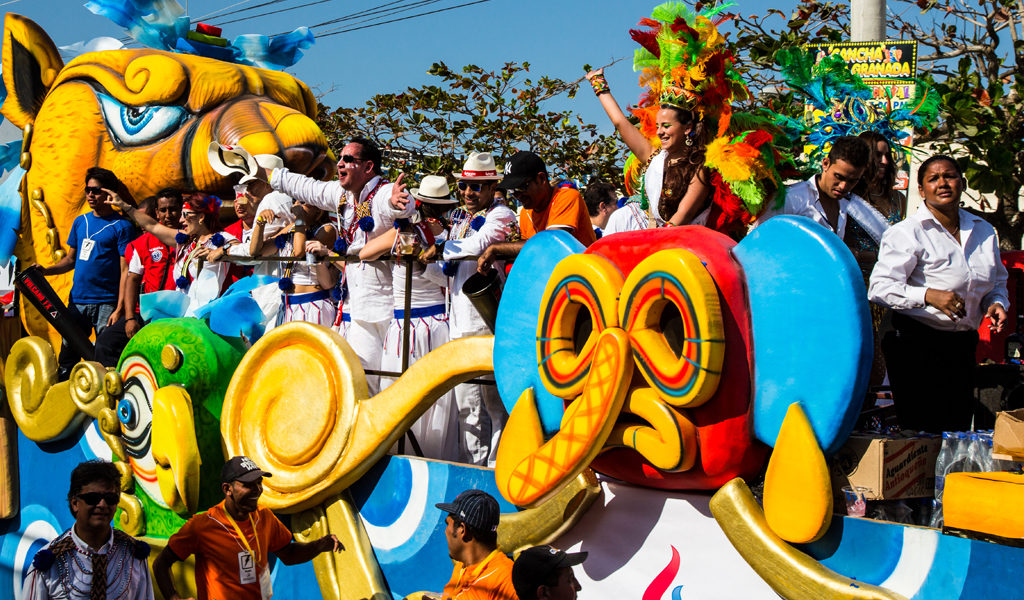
146 115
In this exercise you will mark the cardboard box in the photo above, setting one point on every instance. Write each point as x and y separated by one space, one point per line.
890 468
1008 438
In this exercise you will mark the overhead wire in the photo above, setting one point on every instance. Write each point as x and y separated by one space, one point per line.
432 12
365 16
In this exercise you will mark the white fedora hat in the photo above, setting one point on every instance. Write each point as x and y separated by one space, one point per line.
433 190
479 166
228 160
268 162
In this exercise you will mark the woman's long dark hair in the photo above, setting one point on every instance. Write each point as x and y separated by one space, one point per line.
866 185
689 162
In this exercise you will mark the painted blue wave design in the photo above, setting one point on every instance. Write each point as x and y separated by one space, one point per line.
10 212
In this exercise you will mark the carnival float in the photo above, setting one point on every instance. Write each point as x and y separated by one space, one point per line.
666 369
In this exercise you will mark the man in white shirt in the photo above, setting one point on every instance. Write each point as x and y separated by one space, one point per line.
628 217
480 223
367 206
828 198
66 567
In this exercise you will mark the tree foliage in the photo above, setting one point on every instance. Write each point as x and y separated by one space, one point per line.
971 50
431 130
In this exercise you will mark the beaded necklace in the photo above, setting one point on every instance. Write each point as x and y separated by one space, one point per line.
363 209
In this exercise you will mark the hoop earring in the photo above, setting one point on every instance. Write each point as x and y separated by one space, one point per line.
689 141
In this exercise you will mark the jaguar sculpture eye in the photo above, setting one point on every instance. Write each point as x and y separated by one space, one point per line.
140 125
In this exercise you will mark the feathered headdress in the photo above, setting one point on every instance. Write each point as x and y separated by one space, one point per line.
840 104
684 62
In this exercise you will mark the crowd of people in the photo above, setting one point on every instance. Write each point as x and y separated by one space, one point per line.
940 279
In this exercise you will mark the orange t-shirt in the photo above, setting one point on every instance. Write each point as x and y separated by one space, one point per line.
566 209
212 538
490 579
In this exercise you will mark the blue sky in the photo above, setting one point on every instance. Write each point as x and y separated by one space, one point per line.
555 36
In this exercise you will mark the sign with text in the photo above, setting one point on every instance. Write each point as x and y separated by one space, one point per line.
889 69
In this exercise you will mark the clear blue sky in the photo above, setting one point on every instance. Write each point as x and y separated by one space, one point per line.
555 36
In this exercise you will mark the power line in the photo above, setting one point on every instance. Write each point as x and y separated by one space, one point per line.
440 10
375 12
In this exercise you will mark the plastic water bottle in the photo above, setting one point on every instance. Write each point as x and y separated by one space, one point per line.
961 443
942 463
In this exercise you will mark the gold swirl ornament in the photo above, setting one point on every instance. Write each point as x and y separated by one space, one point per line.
298 406
43 408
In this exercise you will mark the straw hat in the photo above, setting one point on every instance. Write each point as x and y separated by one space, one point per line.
479 167
433 190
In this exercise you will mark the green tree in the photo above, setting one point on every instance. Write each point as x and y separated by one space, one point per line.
430 130
973 52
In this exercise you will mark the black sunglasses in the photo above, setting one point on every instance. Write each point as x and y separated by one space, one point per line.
348 158
473 186
93 498
95 191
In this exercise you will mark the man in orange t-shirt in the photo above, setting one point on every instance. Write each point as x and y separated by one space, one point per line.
544 207
482 571
232 542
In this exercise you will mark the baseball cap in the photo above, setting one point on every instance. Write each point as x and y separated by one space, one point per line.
475 508
534 567
241 468
520 168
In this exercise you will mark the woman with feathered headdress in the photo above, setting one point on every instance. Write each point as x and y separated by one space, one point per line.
694 161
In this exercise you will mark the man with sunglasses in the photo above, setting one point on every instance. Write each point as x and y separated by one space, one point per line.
481 223
367 206
67 566
95 250
233 540
544 207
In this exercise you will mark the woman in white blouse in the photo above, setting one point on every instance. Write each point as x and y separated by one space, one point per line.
940 271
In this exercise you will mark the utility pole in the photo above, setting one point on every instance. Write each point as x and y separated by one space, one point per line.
867 20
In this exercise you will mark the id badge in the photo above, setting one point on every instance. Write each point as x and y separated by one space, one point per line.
266 587
246 568
86 251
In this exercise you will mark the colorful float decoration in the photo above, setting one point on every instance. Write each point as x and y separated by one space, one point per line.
665 369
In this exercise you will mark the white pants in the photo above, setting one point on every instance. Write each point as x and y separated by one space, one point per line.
482 417
437 430
314 307
367 340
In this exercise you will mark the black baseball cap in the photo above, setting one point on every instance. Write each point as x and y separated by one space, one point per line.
520 168
535 566
241 468
475 508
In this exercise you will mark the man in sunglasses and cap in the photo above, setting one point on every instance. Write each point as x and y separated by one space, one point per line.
545 573
233 539
66 567
478 224
545 206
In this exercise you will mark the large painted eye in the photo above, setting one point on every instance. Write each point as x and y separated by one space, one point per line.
579 303
140 125
671 311
135 410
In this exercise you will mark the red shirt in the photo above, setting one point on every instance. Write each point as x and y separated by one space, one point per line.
146 255
212 538
237 271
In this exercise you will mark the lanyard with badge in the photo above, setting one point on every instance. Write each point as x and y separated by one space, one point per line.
248 562
88 244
